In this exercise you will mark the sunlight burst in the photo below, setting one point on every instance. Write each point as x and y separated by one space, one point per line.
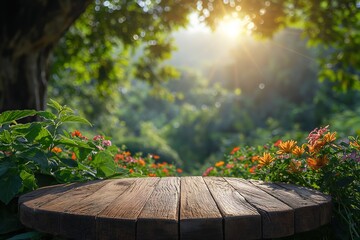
232 27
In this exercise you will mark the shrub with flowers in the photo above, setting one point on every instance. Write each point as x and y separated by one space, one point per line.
321 162
43 153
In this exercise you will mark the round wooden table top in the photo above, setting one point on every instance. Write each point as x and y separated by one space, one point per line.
175 208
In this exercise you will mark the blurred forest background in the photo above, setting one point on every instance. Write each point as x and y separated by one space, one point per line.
211 92
224 92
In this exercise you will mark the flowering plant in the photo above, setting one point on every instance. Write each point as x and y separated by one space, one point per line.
320 162
43 153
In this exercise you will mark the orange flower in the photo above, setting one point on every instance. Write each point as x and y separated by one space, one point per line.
119 157
265 159
179 170
56 150
131 170
255 158
152 175
252 169
141 162
286 147
355 145
329 137
235 149
219 164
127 153
76 133
298 151
156 157
73 156
315 148
166 171
316 163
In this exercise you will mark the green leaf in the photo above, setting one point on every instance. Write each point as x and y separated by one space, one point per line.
10 116
4 167
44 137
69 162
28 180
5 137
72 142
33 131
10 186
74 118
36 155
54 104
104 163
47 115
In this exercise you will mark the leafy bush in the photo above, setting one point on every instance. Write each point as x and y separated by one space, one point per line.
321 163
43 153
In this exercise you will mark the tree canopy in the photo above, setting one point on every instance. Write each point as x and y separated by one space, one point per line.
97 46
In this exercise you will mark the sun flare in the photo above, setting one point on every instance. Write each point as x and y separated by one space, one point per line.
232 27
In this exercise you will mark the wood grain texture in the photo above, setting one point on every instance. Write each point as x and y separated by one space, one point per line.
118 220
82 214
49 213
175 208
307 212
30 202
199 216
240 218
323 200
159 217
277 217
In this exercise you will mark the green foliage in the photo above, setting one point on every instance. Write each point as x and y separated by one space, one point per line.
323 164
43 153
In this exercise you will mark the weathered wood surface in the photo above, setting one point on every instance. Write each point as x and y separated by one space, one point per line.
200 218
175 208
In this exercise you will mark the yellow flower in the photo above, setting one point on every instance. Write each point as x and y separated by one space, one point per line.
219 164
265 159
298 151
329 137
286 147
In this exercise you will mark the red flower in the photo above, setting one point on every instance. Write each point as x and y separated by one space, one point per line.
235 149
76 133
73 156
278 142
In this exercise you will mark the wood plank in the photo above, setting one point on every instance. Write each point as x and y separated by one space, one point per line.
240 218
199 216
323 200
159 217
307 213
277 217
31 201
38 192
48 214
118 220
82 214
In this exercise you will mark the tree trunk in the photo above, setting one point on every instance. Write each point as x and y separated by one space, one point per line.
28 32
